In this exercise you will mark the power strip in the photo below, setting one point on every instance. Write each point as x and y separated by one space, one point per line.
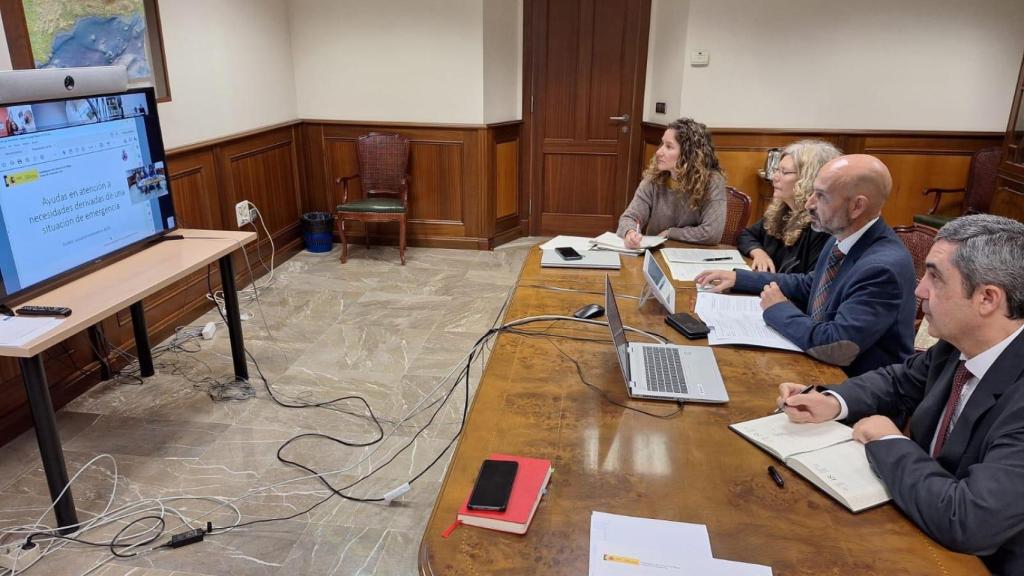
13 555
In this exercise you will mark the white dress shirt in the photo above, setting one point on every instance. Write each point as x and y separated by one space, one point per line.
846 244
977 366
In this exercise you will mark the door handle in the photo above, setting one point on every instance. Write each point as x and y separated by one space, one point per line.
624 118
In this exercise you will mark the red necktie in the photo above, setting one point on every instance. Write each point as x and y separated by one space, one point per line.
960 378
817 309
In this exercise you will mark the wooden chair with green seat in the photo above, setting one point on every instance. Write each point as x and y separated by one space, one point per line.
384 181
981 185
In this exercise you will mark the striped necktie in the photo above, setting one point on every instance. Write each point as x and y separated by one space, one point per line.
817 309
960 378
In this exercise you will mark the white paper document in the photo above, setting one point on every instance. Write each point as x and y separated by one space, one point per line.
579 243
721 258
629 546
688 271
18 330
739 320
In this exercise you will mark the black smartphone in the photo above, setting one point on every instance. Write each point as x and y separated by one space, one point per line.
493 485
688 325
568 253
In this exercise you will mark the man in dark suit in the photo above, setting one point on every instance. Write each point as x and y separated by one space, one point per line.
856 309
960 474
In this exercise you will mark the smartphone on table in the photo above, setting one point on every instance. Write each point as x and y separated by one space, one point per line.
493 485
568 253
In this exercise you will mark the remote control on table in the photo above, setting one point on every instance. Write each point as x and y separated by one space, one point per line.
43 311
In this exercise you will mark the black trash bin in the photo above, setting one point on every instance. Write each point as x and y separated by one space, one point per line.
317 231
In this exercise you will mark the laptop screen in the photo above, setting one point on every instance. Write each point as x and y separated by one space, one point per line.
658 283
615 325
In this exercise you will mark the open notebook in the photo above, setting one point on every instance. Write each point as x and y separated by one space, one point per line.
825 453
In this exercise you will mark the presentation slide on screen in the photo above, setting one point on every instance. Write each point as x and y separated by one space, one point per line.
72 195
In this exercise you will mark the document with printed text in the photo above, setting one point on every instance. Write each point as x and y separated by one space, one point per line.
735 319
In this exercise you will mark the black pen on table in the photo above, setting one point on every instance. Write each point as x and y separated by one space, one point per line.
718 259
776 477
806 389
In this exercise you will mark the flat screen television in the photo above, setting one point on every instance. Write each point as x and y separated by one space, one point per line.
84 182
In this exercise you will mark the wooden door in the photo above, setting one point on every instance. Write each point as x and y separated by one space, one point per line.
586 62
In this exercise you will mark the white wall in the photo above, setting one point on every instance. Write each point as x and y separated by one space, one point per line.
389 60
229 66
870 64
502 60
666 49
5 57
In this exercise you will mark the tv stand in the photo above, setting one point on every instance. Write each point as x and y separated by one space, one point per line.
101 294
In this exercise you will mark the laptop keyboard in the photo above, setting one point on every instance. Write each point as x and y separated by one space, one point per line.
664 370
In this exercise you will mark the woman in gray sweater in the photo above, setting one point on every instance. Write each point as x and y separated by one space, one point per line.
682 195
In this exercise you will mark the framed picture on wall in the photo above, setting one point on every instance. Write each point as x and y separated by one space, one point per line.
63 34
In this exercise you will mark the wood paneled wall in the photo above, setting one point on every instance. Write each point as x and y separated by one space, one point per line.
917 160
465 193
207 180
464 190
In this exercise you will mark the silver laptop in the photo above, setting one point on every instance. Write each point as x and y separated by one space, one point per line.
591 259
663 371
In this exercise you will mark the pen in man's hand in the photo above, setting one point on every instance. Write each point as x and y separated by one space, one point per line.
806 389
718 259
775 477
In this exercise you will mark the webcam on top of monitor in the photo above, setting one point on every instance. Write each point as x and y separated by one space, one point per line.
50 83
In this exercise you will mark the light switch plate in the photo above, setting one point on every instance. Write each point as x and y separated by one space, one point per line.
699 58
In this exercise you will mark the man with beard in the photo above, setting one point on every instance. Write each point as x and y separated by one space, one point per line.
856 309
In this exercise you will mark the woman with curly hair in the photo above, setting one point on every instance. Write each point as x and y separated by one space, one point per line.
682 195
783 240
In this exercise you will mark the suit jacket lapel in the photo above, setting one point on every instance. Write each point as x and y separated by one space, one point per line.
925 418
1004 373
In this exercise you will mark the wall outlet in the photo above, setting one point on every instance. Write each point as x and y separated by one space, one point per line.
242 213
14 556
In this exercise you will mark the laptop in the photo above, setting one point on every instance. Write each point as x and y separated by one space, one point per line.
658 284
663 371
591 259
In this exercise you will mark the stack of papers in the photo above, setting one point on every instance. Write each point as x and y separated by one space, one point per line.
609 241
624 545
579 243
738 320
686 263
20 330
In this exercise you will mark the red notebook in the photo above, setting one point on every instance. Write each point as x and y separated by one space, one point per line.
531 479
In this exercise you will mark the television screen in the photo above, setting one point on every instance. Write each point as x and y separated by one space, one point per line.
84 179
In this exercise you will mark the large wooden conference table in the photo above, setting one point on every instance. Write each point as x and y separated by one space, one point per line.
689 468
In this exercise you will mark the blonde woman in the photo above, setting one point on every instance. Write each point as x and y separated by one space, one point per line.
682 196
783 240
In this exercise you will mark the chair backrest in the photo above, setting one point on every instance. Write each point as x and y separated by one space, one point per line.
383 163
737 214
981 180
918 239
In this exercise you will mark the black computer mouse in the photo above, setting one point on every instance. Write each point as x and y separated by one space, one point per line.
589 311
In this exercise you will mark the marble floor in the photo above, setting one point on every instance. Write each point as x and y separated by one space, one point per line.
388 333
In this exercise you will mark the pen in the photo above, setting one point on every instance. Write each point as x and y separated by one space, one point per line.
718 259
775 476
806 389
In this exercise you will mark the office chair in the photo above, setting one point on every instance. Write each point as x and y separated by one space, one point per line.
981 185
918 239
384 179
737 214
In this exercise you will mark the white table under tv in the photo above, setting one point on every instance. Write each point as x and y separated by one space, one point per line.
101 294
